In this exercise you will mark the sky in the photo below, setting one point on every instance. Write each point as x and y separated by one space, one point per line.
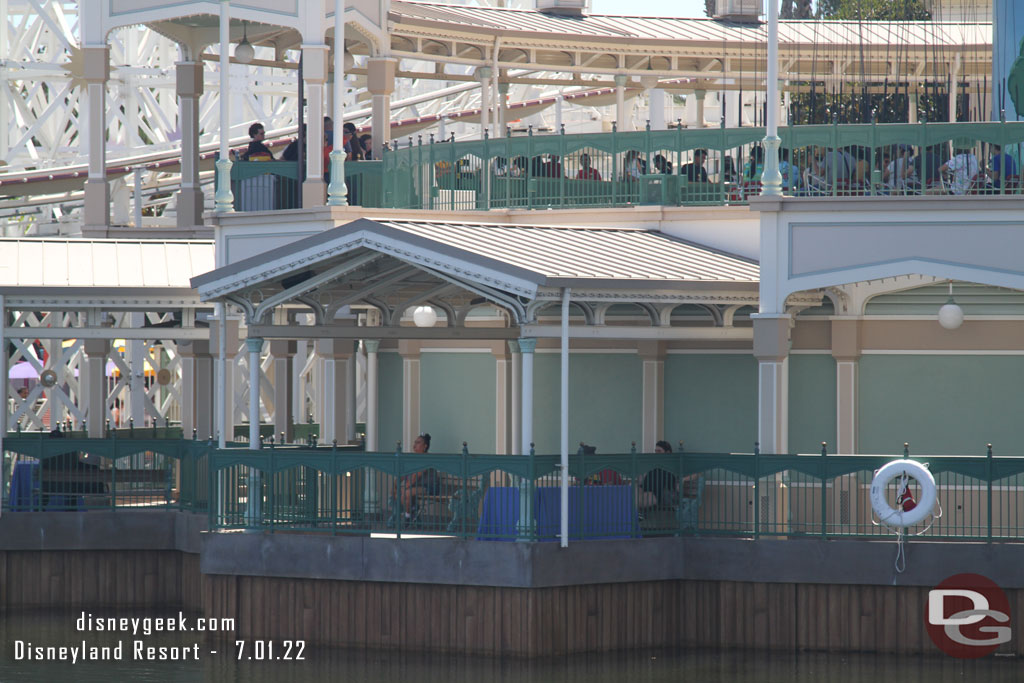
654 8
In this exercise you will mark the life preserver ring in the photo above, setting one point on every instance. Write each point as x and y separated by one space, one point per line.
908 512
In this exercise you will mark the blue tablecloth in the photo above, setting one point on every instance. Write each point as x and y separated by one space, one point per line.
25 491
25 486
594 512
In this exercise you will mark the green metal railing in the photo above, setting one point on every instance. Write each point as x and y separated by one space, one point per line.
343 490
73 472
275 185
653 167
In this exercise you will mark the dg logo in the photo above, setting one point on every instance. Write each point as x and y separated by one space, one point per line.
968 616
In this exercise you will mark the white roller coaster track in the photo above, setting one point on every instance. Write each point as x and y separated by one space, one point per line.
44 164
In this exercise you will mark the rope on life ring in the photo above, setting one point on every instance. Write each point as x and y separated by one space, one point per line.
908 511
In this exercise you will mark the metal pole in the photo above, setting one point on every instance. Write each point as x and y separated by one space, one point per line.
771 178
254 345
566 292
220 389
337 191
223 199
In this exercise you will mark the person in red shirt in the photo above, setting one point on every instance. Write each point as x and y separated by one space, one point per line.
587 172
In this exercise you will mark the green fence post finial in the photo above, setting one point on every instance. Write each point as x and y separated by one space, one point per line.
398 448
632 449
533 450
824 448
465 448
906 449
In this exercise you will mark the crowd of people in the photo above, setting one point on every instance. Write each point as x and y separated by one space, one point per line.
357 147
950 168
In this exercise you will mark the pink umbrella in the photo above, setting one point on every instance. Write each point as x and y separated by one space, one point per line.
22 370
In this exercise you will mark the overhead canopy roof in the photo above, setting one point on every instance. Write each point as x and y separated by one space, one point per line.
81 266
506 21
394 264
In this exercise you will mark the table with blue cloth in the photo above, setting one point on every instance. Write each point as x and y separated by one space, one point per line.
594 512
25 491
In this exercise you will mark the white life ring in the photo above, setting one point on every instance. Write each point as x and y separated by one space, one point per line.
897 516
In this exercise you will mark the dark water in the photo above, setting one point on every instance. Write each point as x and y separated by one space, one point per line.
685 666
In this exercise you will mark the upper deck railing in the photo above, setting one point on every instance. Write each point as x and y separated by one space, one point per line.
664 167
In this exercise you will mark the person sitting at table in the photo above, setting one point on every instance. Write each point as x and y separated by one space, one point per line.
633 166
659 488
423 483
606 477
587 172
695 171
662 165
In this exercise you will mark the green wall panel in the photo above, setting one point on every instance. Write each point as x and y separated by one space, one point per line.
812 402
941 404
605 399
389 400
457 401
711 402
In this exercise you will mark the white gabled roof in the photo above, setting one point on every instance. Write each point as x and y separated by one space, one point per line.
587 253
515 259
102 263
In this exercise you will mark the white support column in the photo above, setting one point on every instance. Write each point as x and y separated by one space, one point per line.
515 398
656 97
282 353
410 353
483 74
96 351
136 357
502 423
846 349
559 121
502 110
564 426
372 428
527 345
698 108
96 63
224 199
335 355
314 75
227 348
771 178
380 81
349 434
337 191
652 356
189 81
197 389
254 345
620 103
771 348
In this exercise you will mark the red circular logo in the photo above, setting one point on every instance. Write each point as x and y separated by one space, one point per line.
968 616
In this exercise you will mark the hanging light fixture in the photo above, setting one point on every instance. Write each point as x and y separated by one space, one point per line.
951 316
244 51
424 316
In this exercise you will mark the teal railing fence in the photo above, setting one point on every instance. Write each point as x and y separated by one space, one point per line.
275 185
343 490
73 472
665 167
